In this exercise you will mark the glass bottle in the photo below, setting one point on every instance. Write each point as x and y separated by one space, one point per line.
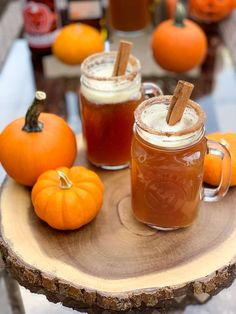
41 23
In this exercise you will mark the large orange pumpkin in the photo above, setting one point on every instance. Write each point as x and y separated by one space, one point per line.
179 45
212 164
210 10
75 42
67 199
33 144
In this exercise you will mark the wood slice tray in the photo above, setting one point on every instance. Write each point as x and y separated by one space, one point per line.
115 262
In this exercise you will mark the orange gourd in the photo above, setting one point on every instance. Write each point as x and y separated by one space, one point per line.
212 164
179 44
35 143
210 10
75 42
67 199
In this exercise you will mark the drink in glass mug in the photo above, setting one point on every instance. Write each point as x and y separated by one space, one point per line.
107 105
129 15
167 165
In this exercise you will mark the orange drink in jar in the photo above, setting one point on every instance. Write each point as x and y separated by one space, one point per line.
107 105
167 165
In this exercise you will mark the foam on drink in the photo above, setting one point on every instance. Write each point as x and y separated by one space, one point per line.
110 91
155 118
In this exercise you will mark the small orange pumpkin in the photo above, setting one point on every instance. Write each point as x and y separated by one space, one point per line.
31 145
179 45
67 199
210 10
212 164
75 42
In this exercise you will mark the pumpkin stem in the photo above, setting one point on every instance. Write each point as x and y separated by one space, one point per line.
32 124
65 182
180 14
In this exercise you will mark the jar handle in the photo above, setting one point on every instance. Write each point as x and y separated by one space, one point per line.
215 194
151 90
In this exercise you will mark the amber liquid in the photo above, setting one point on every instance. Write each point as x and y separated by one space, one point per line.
129 15
166 184
108 129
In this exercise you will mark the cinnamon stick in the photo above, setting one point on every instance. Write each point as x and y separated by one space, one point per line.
122 58
179 101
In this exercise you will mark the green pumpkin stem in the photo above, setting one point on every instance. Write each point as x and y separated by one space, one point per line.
65 182
32 124
180 14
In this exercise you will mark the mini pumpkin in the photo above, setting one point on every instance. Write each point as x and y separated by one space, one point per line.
210 10
212 164
67 199
179 44
77 41
33 144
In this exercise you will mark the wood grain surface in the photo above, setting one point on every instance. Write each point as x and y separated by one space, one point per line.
115 262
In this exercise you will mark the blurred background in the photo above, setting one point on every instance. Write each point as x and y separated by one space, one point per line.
35 45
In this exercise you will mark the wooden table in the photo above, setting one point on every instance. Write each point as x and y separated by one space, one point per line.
215 88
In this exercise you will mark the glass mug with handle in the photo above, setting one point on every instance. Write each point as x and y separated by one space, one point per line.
107 105
167 164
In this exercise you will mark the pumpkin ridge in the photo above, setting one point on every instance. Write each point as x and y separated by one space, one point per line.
81 212
87 190
92 180
46 186
89 194
77 172
80 174
47 210
81 177
63 206
81 187
42 216
35 191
